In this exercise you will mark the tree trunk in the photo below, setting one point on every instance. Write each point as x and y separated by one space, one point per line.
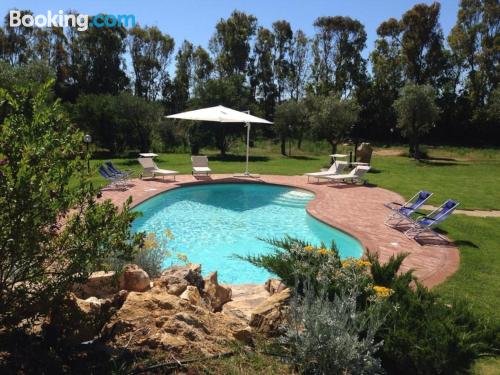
283 146
299 141
334 147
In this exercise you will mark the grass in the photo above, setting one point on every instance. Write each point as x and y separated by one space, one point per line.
470 176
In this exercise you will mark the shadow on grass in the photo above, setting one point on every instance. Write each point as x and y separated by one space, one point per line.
440 162
461 243
301 157
238 158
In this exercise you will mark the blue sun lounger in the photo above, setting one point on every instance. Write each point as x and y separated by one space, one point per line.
404 212
430 221
112 179
115 171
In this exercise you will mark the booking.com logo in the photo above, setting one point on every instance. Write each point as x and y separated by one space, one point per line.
81 22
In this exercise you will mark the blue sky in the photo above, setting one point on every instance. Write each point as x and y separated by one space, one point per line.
195 20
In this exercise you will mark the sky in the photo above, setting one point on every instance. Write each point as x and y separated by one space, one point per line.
195 20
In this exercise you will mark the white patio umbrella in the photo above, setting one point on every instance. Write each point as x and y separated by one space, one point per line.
223 114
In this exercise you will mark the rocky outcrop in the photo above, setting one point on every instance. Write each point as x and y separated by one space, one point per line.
77 320
244 299
192 295
364 153
271 314
177 278
134 279
156 320
215 295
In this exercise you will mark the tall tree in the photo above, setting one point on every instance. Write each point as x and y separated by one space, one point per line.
202 66
422 44
150 51
417 112
183 77
475 41
96 60
338 66
283 38
263 74
299 65
291 118
230 43
17 41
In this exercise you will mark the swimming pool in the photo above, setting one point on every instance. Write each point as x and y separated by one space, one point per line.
210 223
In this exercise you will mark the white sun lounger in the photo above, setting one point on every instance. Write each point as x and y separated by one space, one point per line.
335 169
356 175
151 168
200 165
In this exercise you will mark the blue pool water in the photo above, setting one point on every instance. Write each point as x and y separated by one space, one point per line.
210 223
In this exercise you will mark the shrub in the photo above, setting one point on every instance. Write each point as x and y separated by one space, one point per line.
51 235
332 335
421 334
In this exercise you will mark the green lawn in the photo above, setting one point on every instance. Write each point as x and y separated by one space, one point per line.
470 176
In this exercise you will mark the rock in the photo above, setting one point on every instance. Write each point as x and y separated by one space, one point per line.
216 295
134 279
270 315
75 320
244 299
274 286
192 295
99 284
364 153
158 321
176 279
245 336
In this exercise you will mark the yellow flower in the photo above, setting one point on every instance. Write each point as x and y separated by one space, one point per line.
323 251
382 291
309 248
363 263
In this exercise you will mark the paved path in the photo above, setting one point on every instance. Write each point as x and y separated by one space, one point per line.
357 210
475 213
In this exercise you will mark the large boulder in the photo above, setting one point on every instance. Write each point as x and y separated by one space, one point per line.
177 278
99 284
216 295
270 315
158 321
134 279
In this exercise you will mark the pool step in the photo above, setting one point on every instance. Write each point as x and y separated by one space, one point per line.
292 199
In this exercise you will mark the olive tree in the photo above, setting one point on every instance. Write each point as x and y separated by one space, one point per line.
290 119
332 118
416 111
53 231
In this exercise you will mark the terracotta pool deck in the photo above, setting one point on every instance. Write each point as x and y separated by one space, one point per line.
357 210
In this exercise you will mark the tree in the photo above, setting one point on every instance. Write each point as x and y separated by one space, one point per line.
51 235
230 44
474 42
117 121
416 111
290 120
96 61
202 66
299 65
332 118
16 41
422 44
150 51
183 77
283 38
338 66
263 74
231 92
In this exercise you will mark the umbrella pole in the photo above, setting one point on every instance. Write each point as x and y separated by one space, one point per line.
248 148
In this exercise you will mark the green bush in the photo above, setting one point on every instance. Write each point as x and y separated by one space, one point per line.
51 235
421 334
